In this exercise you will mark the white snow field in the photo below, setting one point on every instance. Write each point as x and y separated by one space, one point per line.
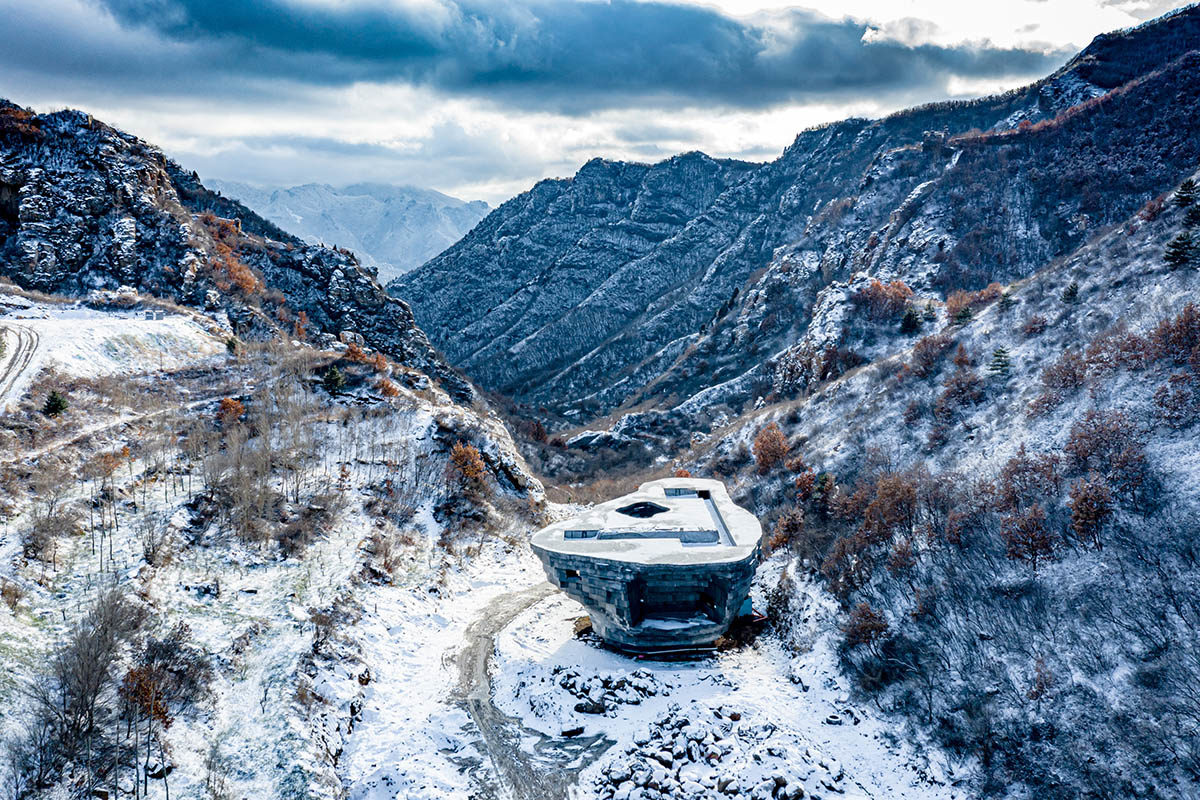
86 342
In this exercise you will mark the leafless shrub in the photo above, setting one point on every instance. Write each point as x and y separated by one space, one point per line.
1034 325
11 593
927 353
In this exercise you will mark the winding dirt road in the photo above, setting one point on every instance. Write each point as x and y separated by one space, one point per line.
552 766
19 354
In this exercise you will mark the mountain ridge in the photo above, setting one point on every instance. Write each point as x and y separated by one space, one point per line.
610 302
84 206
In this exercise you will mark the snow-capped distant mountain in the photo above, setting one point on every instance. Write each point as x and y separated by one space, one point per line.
392 228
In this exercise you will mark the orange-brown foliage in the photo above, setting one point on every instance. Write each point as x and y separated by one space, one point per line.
926 354
770 447
884 301
230 410
1060 379
1027 537
956 301
228 269
865 625
17 123
1091 506
1034 325
1025 480
789 525
1107 442
467 462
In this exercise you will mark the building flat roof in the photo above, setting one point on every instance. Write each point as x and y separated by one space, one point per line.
669 521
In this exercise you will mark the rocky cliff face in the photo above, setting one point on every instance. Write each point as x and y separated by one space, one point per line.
84 206
631 283
390 228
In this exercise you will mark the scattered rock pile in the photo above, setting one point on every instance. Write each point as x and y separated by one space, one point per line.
713 754
601 694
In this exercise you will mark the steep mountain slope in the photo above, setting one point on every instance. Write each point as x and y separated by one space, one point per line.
84 206
390 228
1006 508
587 293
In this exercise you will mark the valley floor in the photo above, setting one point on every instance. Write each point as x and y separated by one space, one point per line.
418 734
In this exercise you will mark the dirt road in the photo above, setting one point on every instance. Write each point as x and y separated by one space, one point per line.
548 769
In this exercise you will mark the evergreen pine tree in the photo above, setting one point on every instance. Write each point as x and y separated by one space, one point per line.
1180 250
963 316
930 313
1070 295
911 323
55 404
1006 302
1192 218
334 381
1185 195
1001 366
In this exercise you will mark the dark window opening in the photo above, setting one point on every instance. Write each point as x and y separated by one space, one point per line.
704 494
574 534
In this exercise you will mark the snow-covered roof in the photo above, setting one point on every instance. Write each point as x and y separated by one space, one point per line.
668 521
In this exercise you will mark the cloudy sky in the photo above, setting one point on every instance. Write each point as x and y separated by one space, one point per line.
481 98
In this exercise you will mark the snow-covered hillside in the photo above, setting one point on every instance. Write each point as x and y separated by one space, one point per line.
259 539
238 579
74 339
634 285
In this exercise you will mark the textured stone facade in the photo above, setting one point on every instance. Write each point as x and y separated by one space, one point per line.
703 598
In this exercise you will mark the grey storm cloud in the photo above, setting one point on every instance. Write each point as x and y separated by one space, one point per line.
564 55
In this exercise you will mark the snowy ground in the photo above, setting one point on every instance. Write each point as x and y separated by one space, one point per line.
87 342
414 737
404 704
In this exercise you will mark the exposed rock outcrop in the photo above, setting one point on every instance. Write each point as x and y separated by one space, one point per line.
84 206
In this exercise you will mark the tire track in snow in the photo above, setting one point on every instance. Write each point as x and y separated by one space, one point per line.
23 351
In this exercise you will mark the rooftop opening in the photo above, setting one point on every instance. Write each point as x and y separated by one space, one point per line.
642 510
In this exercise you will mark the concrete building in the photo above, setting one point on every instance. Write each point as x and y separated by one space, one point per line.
665 567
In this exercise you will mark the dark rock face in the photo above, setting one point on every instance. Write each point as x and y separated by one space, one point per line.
584 246
631 283
84 206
